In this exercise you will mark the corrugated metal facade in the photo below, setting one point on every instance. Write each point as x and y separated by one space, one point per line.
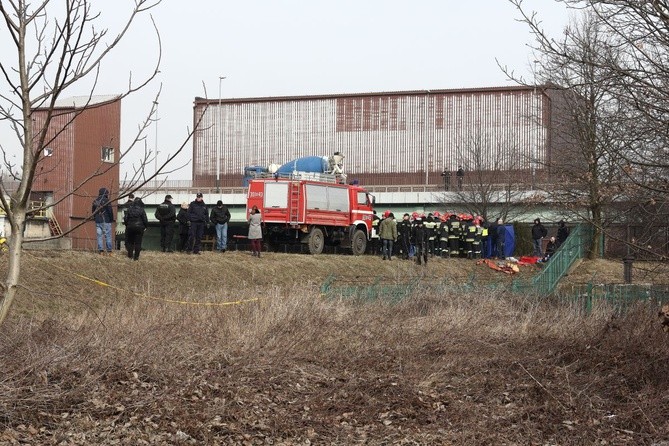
387 138
74 171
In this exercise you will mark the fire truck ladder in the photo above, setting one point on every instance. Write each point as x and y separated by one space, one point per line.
294 214
54 227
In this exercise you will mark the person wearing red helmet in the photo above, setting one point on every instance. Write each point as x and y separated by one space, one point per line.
478 237
443 236
431 227
470 235
454 233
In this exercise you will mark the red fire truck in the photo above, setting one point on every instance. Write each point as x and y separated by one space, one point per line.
317 211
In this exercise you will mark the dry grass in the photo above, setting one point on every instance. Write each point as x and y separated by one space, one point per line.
84 364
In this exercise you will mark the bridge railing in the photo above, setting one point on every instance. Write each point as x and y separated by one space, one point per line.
186 187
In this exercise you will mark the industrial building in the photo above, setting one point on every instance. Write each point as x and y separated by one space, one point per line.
389 138
80 156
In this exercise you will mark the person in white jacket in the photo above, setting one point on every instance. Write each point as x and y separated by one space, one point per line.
255 231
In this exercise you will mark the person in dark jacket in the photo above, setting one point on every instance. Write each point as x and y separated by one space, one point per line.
538 233
374 245
460 175
492 235
454 225
104 217
124 207
198 218
136 222
431 226
220 216
551 247
166 214
500 239
404 235
128 203
562 234
420 239
184 227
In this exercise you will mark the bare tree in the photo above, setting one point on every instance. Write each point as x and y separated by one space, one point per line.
491 184
57 49
586 171
633 69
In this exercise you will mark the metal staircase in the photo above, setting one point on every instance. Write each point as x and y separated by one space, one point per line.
572 250
54 227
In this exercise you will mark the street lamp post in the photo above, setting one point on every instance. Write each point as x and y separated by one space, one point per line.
535 100
219 138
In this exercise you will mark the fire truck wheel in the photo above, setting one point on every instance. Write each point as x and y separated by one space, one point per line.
358 243
316 241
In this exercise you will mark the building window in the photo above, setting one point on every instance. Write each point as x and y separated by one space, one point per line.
48 151
108 154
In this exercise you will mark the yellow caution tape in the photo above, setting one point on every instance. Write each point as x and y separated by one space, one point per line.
145 296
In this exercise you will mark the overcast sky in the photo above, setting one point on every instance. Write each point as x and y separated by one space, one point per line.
306 47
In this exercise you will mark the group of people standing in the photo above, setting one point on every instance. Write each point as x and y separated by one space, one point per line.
442 235
193 219
539 232
452 235
416 236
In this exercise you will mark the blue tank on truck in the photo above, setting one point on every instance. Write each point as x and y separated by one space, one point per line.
316 164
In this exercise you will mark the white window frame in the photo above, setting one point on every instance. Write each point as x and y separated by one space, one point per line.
107 154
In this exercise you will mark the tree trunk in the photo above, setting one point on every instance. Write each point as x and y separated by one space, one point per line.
596 247
14 267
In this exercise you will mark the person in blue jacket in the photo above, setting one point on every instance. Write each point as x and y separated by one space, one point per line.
104 217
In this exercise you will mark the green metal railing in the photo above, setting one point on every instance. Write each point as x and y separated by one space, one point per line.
587 296
393 292
620 296
574 248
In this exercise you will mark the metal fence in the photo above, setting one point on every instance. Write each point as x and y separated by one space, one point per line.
391 292
619 296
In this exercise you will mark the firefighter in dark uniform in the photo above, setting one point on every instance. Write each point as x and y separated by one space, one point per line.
404 233
470 235
477 238
420 239
375 233
437 227
454 232
431 229
443 237
485 237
